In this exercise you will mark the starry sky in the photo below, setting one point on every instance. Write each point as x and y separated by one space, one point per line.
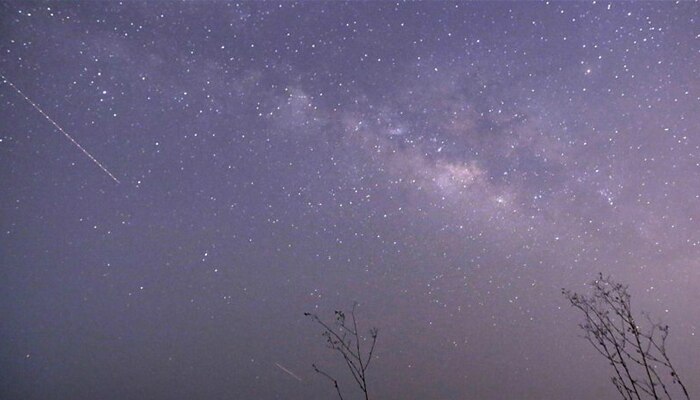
449 166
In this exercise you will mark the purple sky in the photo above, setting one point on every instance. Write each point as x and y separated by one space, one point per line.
449 166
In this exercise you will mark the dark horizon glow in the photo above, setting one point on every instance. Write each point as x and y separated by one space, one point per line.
449 166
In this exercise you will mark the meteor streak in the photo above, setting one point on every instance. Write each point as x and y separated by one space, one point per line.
36 107
288 371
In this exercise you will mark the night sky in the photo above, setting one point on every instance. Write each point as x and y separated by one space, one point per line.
449 166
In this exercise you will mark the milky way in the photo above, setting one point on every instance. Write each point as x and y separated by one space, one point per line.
449 166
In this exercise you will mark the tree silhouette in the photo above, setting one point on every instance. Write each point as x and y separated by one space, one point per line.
639 357
344 337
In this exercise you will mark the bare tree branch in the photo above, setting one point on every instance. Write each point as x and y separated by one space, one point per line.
335 382
346 340
639 358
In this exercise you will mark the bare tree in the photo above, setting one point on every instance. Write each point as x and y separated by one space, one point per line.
642 368
344 337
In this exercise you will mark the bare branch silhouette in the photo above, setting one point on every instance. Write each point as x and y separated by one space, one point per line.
344 337
639 358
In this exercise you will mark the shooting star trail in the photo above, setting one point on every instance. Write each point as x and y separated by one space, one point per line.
289 372
36 107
